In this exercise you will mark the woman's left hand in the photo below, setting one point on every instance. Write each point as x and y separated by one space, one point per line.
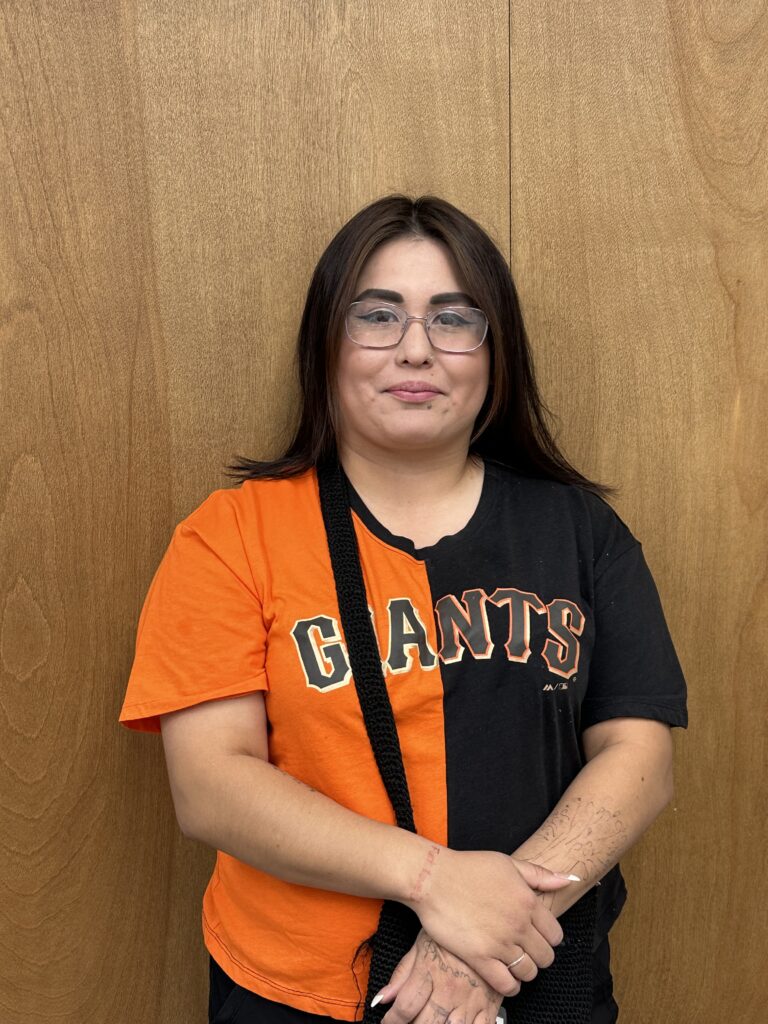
431 985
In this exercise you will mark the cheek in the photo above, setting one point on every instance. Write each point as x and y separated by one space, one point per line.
355 381
473 388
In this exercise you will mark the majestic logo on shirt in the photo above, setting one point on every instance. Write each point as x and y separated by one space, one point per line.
462 626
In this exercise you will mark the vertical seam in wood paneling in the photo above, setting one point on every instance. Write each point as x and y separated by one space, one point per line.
509 125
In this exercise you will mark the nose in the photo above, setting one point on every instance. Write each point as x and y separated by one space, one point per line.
415 346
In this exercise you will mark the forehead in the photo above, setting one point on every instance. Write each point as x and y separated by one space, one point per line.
407 264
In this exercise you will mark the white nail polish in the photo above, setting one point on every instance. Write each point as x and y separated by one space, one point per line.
376 1000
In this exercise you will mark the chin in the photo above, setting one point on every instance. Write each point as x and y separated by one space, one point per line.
412 440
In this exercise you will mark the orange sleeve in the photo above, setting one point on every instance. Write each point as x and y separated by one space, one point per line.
201 634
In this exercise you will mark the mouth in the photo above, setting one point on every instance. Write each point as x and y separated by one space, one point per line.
414 391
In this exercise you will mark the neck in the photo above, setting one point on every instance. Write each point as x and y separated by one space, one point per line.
410 480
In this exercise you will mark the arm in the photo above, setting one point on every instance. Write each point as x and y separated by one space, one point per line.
227 794
624 786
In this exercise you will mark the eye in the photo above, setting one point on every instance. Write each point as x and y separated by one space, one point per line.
381 315
450 318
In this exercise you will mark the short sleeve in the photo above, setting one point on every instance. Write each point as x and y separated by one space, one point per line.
201 633
634 671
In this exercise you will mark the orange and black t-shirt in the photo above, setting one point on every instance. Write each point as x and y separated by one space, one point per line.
500 645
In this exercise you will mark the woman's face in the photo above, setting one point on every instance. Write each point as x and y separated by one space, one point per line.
374 415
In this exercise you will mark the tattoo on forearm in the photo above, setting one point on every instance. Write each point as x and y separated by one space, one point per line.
434 953
425 873
583 838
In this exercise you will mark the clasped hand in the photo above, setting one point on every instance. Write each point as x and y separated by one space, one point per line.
457 971
430 985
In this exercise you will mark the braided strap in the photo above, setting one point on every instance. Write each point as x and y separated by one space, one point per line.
364 657
398 925
396 933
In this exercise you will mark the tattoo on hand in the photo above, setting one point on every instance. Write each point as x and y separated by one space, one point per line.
434 953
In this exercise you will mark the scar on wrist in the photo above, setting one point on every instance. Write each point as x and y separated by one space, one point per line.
419 888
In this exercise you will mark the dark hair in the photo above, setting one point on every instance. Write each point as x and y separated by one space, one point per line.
512 425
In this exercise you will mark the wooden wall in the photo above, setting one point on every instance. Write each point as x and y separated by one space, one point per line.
170 174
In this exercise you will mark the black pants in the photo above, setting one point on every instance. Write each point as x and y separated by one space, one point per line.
229 1003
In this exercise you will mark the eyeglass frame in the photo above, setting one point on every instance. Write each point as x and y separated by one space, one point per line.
426 319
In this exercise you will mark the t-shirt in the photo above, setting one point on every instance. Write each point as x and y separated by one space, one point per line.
500 644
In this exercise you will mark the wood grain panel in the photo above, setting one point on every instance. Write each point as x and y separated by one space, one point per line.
268 127
639 194
171 173
84 506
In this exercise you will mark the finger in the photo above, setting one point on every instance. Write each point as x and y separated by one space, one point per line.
484 1017
487 1016
459 1015
523 967
436 1012
495 974
537 948
542 878
482 1009
410 1000
547 925
398 979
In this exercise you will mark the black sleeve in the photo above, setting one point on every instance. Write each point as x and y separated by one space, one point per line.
634 671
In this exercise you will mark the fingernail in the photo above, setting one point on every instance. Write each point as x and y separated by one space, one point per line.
571 878
377 999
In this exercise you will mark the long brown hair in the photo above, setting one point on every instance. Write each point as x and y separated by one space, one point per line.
512 425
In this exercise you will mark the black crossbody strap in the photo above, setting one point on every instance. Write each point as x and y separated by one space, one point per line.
398 926
364 659
561 994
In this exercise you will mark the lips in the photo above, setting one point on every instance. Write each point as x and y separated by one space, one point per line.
414 390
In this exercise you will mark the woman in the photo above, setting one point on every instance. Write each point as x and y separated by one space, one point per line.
527 660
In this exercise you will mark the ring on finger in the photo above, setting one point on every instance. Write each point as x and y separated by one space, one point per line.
516 962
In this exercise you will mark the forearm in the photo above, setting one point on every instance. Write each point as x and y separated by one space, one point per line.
605 810
255 812
479 905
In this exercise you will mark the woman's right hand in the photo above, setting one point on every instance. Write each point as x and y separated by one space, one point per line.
483 907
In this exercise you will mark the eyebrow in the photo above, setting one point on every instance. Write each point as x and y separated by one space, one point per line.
436 300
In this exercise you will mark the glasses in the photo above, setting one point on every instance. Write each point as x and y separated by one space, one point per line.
375 324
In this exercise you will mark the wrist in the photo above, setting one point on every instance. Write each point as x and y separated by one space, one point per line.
417 882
